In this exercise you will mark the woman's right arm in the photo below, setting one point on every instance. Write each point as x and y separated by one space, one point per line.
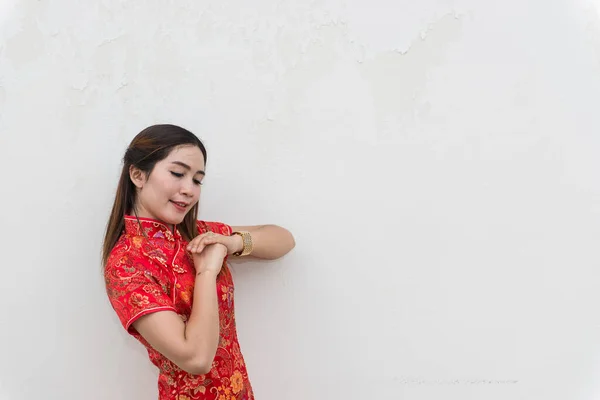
192 346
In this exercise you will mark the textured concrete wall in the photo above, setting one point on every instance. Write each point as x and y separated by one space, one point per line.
436 160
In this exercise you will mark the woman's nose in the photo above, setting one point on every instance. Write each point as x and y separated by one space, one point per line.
187 188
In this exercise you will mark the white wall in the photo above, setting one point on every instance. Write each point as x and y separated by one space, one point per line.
437 161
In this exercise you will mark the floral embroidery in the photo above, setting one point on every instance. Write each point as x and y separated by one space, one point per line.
137 300
153 290
237 382
185 296
148 271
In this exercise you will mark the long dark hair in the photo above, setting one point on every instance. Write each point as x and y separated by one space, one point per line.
150 146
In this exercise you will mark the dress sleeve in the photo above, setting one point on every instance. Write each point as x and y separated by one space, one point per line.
132 290
217 227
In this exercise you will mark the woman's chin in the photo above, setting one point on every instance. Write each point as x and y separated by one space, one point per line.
170 219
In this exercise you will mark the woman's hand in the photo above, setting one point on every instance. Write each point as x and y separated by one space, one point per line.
211 259
233 243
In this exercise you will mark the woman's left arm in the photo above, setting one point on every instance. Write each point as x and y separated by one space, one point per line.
269 242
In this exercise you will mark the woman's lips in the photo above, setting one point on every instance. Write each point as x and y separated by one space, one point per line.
179 206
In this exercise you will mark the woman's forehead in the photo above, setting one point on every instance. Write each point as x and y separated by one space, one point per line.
190 155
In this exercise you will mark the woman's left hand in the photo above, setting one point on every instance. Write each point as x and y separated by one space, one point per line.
233 243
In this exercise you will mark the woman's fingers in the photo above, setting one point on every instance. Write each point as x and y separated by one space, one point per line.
199 244
201 241
194 242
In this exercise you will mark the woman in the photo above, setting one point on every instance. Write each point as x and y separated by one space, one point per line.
166 272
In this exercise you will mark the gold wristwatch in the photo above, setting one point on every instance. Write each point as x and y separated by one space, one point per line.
247 240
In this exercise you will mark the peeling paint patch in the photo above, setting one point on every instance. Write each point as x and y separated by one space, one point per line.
111 40
26 46
395 78
22 40
398 77
79 105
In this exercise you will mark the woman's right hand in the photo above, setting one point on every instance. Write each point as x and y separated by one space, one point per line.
210 259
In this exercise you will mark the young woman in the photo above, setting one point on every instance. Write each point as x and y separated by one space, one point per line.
166 272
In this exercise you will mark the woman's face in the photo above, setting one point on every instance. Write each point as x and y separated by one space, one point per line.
173 186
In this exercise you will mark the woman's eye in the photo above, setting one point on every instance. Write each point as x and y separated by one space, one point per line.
179 175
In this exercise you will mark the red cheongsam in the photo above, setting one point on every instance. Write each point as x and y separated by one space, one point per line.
149 270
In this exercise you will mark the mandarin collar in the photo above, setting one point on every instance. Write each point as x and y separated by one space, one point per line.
150 228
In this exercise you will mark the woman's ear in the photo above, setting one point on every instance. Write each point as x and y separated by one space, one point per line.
137 176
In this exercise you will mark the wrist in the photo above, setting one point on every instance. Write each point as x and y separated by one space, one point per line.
247 245
238 244
206 273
